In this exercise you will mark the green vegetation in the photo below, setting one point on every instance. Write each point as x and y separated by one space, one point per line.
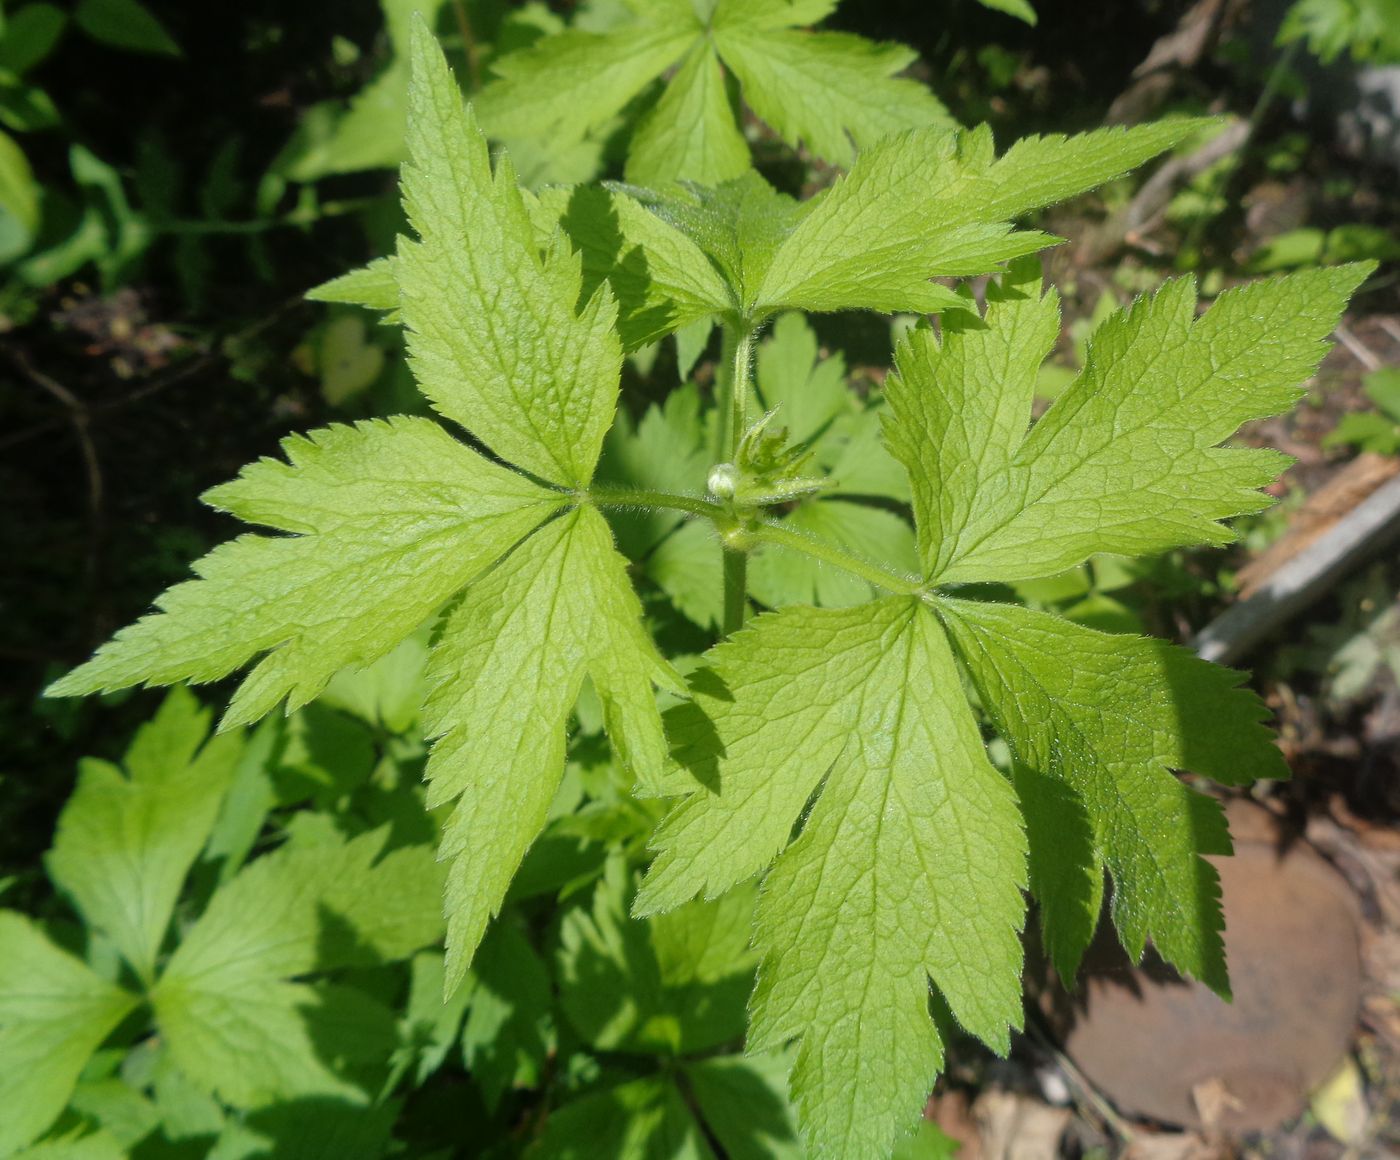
658 770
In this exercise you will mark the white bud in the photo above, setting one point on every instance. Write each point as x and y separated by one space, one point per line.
723 481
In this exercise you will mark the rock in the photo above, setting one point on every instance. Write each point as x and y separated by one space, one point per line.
1168 1049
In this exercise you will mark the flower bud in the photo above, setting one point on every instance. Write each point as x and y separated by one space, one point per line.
723 480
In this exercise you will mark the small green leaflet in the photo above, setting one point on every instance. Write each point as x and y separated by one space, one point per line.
830 91
54 1013
911 860
125 843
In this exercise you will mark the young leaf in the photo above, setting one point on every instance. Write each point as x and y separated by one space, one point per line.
909 866
929 203
1128 459
831 91
390 519
54 1013
125 843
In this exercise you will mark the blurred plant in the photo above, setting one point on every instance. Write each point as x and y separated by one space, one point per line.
1367 30
1378 430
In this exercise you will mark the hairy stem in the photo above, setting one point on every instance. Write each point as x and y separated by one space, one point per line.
627 497
829 553
734 394
771 533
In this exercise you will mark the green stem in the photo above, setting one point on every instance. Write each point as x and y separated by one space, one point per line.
828 553
734 396
626 497
771 533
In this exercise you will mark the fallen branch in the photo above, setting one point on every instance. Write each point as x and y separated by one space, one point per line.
1368 528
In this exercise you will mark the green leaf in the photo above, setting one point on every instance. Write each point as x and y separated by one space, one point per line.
565 85
687 566
369 132
124 24
743 1103
19 194
390 518
30 34
1127 460
673 985
492 332
1020 9
508 1035
646 1119
806 390
659 276
909 866
224 1006
708 147
503 677
738 226
375 286
430 1026
830 91
54 1013
1106 718
1383 388
125 843
929 203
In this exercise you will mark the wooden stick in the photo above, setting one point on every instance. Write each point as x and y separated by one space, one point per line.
1372 525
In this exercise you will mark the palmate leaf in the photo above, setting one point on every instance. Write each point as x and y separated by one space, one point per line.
830 91
231 1005
388 521
910 865
853 725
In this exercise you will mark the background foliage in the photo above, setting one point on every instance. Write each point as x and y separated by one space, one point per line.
171 182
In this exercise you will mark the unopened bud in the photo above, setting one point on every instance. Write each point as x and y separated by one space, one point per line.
723 481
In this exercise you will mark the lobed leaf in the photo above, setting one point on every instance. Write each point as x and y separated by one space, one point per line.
493 337
125 843
929 203
1108 717
54 1013
909 866
390 518
1127 459
833 92
225 1006
504 674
